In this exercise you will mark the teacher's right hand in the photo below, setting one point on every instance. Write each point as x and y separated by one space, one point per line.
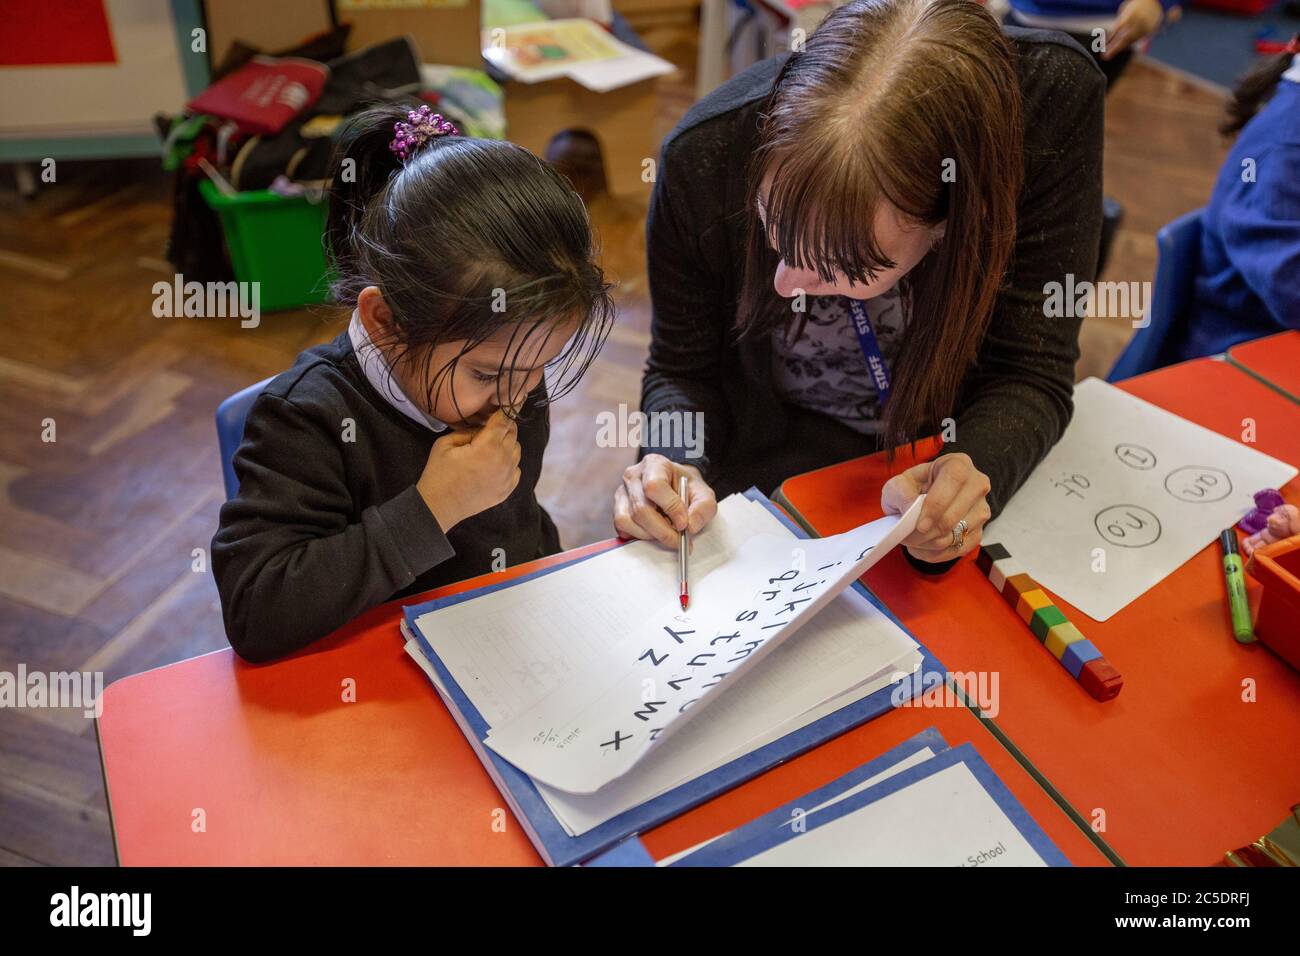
647 505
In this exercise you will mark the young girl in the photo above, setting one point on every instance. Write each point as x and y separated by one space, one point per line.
404 454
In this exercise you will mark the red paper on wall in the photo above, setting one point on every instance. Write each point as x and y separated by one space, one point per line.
55 33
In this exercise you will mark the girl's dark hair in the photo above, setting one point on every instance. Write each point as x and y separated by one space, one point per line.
887 97
467 239
1255 89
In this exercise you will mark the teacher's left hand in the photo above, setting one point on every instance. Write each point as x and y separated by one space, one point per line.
955 490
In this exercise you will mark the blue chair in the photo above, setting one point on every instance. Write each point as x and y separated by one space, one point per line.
1178 254
230 430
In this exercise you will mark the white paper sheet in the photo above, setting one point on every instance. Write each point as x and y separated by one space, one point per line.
1129 488
911 760
509 649
848 651
944 819
852 621
727 734
625 704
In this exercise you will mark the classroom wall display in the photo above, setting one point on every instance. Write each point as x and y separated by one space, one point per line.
1128 495
96 96
39 34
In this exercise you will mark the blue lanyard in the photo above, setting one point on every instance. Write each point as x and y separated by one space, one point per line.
870 350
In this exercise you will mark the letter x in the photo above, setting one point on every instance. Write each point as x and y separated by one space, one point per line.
619 737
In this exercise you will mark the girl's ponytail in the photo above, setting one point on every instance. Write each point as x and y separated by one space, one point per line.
1256 88
363 166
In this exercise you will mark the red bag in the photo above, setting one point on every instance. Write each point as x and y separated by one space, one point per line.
265 94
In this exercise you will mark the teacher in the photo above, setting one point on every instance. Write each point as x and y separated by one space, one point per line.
850 247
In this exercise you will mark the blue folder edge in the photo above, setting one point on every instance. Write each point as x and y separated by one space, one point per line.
768 832
632 852
547 833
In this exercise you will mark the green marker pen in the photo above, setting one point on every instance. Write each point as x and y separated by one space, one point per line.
1233 571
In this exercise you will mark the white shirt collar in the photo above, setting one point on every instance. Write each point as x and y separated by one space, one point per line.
377 374
1293 73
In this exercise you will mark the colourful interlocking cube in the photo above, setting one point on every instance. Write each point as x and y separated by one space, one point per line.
1100 679
1031 601
1017 585
1001 570
1048 622
1044 619
1061 636
988 554
1078 654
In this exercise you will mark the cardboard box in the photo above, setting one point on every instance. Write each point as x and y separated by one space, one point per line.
444 31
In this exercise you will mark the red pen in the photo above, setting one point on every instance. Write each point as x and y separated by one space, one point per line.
683 551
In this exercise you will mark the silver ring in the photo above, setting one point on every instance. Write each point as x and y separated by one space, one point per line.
959 534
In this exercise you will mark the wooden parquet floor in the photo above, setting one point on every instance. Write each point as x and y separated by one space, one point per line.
99 528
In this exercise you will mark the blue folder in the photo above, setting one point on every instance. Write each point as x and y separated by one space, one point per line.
548 835
770 830
632 852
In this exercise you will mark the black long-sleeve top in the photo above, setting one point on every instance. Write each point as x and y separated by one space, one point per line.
1016 400
324 527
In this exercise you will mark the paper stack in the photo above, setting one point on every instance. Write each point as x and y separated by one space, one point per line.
547 660
919 804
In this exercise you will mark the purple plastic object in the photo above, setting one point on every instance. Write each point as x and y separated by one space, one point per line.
423 125
1265 503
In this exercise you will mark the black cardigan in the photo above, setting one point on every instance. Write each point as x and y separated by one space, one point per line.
328 521
1016 401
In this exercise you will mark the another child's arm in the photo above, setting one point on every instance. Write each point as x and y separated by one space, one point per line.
1262 232
1136 20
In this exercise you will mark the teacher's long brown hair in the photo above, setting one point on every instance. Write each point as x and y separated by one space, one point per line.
913 102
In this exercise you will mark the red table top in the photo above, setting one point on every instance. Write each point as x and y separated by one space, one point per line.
287 773
1275 359
1179 767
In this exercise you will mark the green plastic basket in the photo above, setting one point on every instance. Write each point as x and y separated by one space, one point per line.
277 241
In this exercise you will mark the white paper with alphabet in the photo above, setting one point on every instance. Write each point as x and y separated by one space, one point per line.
608 716
1128 495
